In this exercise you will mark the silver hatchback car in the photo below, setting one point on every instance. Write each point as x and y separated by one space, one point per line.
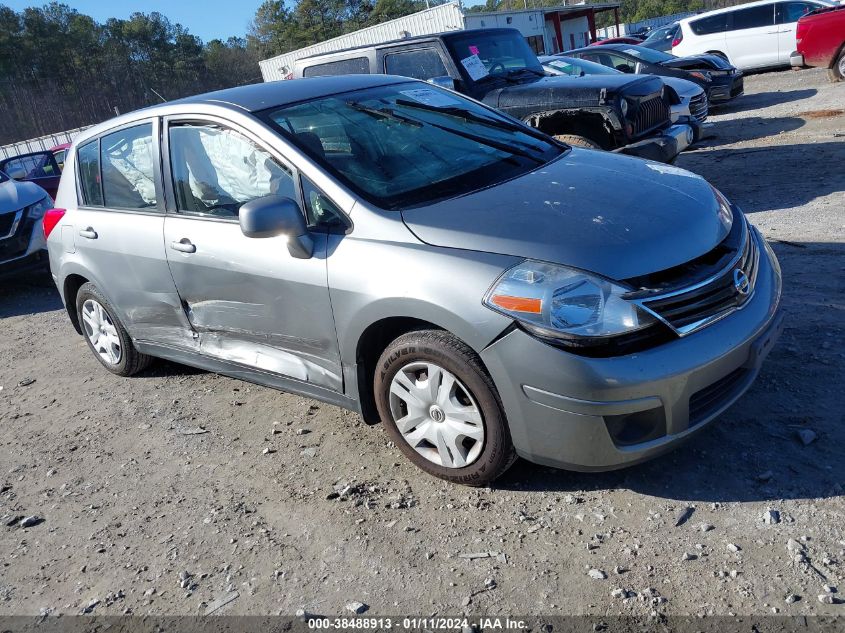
399 250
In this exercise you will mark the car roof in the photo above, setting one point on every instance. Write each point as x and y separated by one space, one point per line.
745 5
408 40
596 48
251 98
255 97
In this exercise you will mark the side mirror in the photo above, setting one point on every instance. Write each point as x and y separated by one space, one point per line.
443 82
276 215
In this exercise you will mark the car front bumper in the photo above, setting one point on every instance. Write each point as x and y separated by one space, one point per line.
727 87
665 146
589 414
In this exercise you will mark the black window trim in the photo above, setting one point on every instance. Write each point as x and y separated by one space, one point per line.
211 119
158 210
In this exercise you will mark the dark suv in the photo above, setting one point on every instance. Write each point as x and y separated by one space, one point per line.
496 66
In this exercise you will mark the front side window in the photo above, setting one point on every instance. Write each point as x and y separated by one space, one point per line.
407 144
32 166
216 170
88 157
424 63
753 18
713 24
126 157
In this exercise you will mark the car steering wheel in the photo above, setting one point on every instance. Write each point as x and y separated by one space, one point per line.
495 65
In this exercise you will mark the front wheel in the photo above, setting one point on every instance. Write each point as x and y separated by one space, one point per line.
441 408
837 71
577 140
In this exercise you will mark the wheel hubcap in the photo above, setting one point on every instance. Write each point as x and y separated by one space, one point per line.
101 332
436 415
842 66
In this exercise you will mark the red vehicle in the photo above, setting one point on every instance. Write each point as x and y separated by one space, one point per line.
619 40
38 167
59 153
820 38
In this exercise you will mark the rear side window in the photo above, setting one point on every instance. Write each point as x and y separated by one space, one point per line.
708 26
354 66
424 63
126 159
754 17
89 174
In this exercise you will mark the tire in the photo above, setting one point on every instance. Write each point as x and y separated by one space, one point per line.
112 339
579 141
473 397
836 73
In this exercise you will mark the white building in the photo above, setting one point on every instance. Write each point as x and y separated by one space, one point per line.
547 30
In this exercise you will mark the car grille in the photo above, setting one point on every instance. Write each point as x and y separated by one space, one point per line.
7 221
696 306
698 107
650 114
708 401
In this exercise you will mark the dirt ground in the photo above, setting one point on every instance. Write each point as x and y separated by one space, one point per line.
144 514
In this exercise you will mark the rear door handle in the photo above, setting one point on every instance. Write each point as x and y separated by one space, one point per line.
90 233
183 246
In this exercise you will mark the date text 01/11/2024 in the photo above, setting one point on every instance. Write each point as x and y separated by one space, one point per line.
414 623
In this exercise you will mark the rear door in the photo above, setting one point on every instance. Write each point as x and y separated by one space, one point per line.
38 167
249 301
117 228
787 16
752 37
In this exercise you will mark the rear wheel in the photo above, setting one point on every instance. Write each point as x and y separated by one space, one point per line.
441 408
577 140
105 334
837 71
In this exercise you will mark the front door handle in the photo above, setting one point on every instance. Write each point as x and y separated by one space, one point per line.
89 233
183 246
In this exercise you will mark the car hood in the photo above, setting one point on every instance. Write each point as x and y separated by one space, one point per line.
610 214
683 87
698 62
15 195
572 91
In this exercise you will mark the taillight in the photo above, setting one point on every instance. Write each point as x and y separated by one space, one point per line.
51 219
679 37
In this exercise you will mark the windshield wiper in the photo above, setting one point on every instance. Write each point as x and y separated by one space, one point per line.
468 115
384 113
515 71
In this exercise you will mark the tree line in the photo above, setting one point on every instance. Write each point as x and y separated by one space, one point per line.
60 69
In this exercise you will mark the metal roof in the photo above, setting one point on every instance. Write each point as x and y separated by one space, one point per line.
565 8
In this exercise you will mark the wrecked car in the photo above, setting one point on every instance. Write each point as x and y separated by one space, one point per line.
399 250
39 168
497 67
689 101
22 245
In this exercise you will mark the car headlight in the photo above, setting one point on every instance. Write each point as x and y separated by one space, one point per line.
560 302
624 105
726 214
703 75
37 210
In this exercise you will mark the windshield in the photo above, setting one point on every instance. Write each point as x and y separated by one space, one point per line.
410 144
649 55
663 33
579 67
481 55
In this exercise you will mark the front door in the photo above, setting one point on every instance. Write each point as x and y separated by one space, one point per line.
249 301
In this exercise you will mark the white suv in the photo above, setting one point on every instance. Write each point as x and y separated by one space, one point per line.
753 35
